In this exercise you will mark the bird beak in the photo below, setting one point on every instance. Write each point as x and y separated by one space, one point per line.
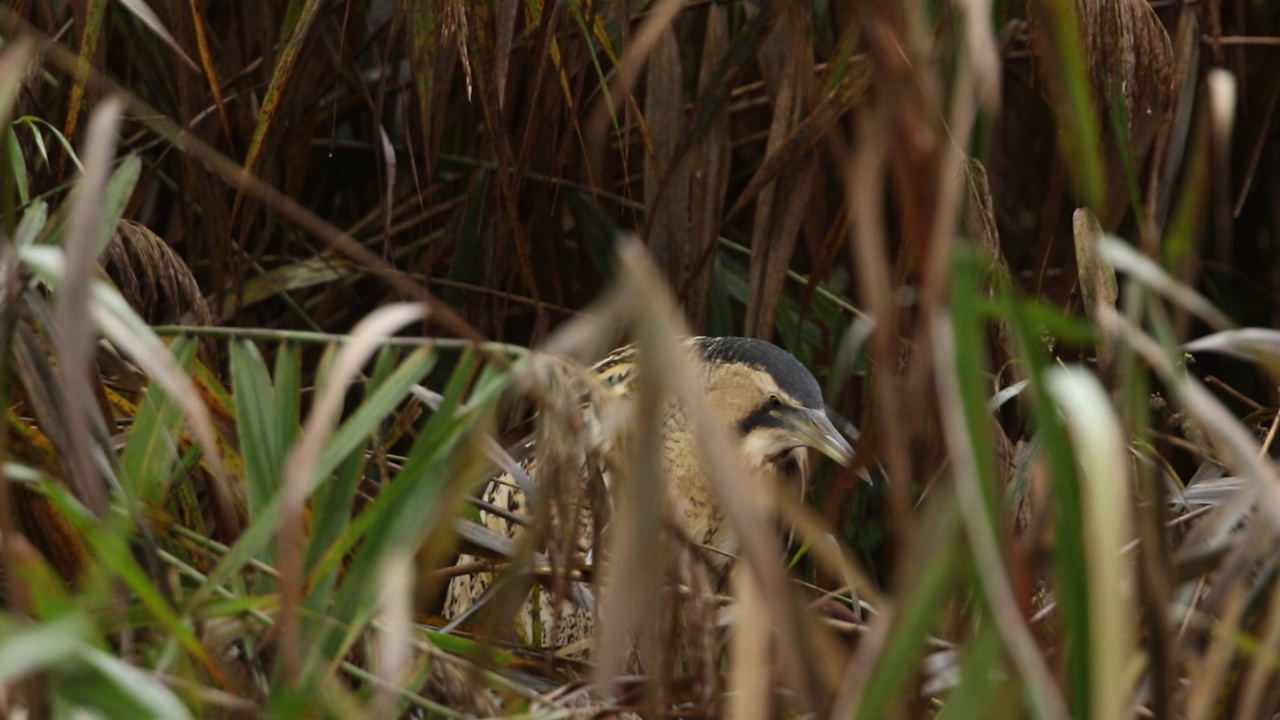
814 428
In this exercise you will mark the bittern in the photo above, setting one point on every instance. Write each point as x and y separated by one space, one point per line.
776 413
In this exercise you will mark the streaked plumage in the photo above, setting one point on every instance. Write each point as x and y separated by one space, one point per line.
774 404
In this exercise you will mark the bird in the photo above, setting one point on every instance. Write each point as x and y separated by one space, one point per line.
775 411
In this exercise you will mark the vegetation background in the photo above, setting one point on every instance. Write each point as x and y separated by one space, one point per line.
268 272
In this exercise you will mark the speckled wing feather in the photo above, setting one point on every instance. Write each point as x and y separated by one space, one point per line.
543 619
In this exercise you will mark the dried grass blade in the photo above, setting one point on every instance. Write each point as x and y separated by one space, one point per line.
1171 143
1212 668
506 21
288 208
1257 145
304 459
76 333
1260 673
634 574
281 75
1124 257
812 128
15 554
1097 279
143 12
1238 448
95 18
1221 92
1107 509
742 53
423 37
1063 50
395 628
773 236
740 494
998 590
890 651
656 22
983 51
12 66
709 182
209 70
865 196
132 335
1260 345
666 186
831 555
750 692
482 46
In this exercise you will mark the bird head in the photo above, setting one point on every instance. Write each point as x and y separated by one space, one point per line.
774 403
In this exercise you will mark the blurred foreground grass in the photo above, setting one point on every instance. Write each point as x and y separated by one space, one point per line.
268 277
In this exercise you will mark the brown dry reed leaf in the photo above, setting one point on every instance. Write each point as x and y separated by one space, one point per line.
1097 279
666 187
76 336
269 117
741 497
453 21
143 12
782 203
749 687
1129 59
711 157
641 46
563 516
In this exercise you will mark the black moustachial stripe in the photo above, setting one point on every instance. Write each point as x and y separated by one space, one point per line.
762 416
792 377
